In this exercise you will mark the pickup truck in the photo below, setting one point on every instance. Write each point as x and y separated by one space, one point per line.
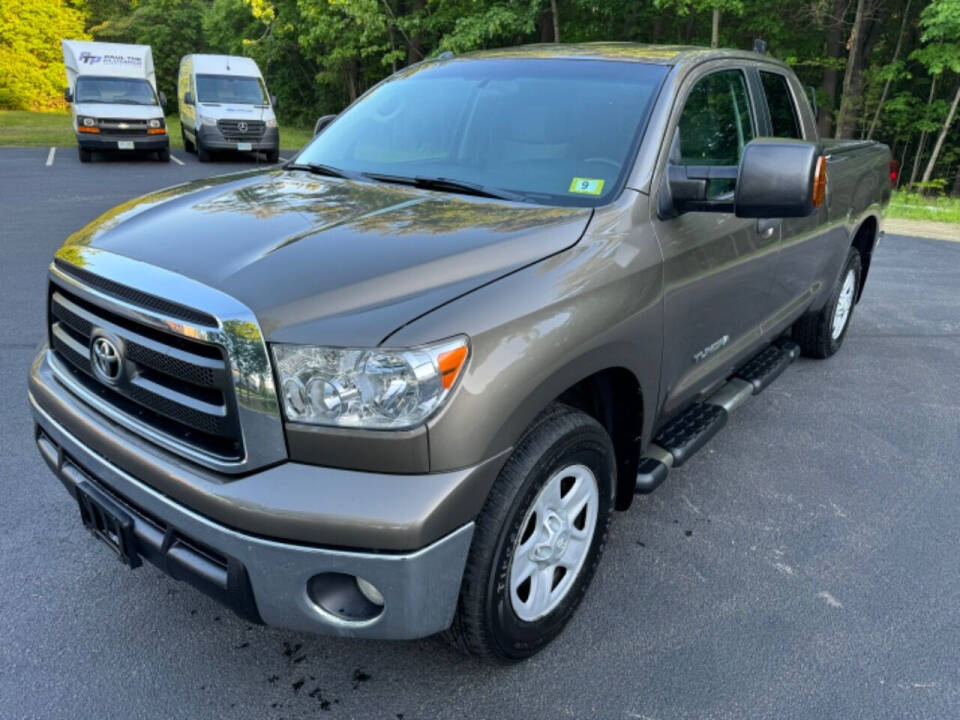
398 386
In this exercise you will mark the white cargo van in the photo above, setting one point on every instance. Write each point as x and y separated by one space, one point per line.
112 89
224 105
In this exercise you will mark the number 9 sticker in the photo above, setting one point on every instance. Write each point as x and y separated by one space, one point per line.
586 186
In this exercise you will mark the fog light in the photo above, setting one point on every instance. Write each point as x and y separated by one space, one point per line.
345 598
370 592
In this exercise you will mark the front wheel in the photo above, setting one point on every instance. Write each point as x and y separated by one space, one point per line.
821 334
203 155
163 155
538 539
273 156
85 155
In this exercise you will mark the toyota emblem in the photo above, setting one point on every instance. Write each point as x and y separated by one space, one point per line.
242 126
105 359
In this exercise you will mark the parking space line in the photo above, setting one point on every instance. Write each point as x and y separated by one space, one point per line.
177 160
283 159
53 151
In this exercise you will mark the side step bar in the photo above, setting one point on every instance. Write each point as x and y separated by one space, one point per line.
679 439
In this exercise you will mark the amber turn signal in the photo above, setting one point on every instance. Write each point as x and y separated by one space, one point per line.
820 182
450 364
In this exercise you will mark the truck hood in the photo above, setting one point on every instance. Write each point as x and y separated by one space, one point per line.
326 260
121 111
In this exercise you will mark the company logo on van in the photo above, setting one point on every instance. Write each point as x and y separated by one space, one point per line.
90 59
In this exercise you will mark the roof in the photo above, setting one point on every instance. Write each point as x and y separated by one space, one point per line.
625 51
225 65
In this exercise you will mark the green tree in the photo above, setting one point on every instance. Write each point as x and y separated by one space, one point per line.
31 61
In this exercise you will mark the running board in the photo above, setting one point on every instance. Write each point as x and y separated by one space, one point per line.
683 436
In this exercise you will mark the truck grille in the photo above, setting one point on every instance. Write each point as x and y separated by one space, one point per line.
174 384
112 126
237 130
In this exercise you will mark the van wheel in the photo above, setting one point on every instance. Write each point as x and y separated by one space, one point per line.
203 155
187 145
85 155
163 155
821 334
273 156
538 539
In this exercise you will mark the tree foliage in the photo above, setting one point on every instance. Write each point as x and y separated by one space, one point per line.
31 65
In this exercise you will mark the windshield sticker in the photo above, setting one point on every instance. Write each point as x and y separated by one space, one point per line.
586 186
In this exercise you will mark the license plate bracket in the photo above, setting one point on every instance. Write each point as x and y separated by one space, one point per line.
108 522
245 146
125 144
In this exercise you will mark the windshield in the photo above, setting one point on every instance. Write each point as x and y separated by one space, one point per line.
234 89
124 91
555 131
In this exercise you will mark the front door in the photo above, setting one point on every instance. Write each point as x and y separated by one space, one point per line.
718 268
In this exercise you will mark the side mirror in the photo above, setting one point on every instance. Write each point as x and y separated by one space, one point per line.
322 123
188 98
163 98
68 94
273 101
776 178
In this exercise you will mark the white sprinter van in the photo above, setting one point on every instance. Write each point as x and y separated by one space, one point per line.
224 105
112 90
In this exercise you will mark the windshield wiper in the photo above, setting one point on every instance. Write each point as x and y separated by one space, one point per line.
448 184
320 169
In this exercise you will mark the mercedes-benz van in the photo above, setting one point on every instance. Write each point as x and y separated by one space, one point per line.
112 91
224 106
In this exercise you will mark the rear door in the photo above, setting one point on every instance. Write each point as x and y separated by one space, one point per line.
803 241
717 268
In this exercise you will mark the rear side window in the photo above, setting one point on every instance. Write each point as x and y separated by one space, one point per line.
716 124
783 113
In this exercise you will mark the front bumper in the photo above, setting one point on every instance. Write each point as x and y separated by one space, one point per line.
101 142
260 577
211 138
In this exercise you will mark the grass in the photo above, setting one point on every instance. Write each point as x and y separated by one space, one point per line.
913 206
26 128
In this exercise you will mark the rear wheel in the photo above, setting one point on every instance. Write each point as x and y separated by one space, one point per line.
821 334
538 539
85 155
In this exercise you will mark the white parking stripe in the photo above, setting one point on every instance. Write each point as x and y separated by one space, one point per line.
53 151
283 159
177 160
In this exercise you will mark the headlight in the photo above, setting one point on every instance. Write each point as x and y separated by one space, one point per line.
155 123
367 388
208 121
271 123
87 121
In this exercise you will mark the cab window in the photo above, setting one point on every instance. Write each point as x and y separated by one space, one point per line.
716 124
783 112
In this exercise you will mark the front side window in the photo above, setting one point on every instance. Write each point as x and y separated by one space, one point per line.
235 89
122 91
716 124
557 131
783 113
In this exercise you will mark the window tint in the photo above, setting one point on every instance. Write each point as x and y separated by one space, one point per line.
783 114
716 124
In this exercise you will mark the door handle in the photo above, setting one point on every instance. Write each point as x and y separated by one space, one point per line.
766 226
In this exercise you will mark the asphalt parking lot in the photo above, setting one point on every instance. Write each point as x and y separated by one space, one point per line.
805 565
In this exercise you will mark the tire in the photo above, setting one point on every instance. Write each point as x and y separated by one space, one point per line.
821 334
273 156
203 155
500 617
163 155
187 145
85 155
